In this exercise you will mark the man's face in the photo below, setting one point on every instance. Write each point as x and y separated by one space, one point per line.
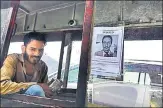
106 44
33 51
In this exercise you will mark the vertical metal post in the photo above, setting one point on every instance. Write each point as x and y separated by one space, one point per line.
35 20
25 21
65 80
145 78
139 77
161 77
61 56
83 68
122 64
4 50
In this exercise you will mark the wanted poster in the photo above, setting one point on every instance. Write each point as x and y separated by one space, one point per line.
106 52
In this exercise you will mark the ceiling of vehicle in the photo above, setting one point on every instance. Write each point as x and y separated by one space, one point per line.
37 5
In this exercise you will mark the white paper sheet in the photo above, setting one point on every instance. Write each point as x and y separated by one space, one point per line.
106 55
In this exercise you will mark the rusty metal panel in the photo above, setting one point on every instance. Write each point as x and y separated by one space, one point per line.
42 101
143 11
79 13
107 11
15 103
20 23
52 19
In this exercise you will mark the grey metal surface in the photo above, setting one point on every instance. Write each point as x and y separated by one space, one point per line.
114 94
55 18
20 23
56 14
106 11
36 5
30 21
79 13
5 4
144 11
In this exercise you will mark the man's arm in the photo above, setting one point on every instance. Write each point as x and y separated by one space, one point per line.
44 81
7 73
44 73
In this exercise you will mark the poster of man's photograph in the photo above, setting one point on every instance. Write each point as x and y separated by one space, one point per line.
106 45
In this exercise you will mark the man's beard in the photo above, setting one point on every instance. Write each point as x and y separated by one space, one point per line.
26 57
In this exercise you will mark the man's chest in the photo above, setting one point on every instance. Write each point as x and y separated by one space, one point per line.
26 74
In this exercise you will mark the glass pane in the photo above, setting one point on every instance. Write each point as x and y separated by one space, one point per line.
51 57
74 64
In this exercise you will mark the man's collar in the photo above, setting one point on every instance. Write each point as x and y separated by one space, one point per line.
21 58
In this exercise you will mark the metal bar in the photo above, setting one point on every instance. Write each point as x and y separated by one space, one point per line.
139 77
23 9
129 24
68 58
155 84
73 16
121 10
15 5
145 77
82 76
25 21
34 25
52 30
160 77
122 63
61 57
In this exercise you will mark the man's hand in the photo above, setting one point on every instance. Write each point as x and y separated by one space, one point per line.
47 90
56 85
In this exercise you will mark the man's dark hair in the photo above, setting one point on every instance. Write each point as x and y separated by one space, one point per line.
34 36
108 37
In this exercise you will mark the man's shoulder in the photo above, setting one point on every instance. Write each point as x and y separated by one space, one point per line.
13 56
42 63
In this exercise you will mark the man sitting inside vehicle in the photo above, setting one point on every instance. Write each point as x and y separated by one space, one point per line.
26 73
